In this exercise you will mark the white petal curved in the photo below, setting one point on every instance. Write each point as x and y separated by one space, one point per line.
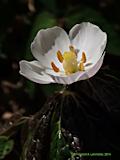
64 79
34 72
46 44
85 37
94 69
89 38
67 79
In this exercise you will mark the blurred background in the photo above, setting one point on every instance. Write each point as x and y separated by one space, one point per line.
20 20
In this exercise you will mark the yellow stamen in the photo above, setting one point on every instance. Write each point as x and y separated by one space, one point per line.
83 59
81 66
70 63
59 56
54 67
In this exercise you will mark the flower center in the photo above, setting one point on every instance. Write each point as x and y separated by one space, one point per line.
69 61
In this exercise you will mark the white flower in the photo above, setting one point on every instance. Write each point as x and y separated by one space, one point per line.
65 59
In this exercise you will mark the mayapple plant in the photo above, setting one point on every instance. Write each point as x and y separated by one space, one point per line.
64 59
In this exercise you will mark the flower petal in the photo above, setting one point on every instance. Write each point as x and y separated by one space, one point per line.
64 79
46 44
67 79
34 72
94 69
88 38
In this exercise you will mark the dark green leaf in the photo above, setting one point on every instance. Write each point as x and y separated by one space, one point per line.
59 149
51 5
6 146
57 142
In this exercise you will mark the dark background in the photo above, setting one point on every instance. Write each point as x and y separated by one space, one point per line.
20 20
